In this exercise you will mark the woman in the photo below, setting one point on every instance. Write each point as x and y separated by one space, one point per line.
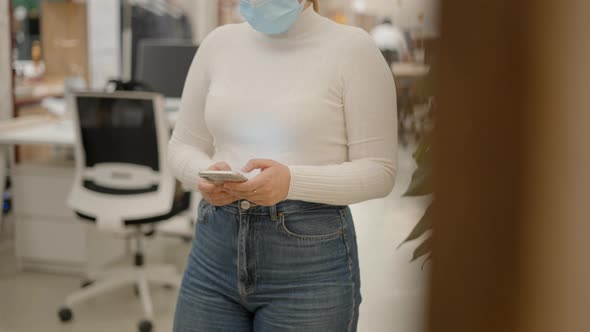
311 105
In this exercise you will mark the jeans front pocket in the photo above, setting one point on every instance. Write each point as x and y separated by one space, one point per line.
313 225
203 211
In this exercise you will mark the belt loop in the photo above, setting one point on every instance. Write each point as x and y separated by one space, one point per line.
273 213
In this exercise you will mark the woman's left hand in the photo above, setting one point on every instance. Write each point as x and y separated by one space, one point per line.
268 188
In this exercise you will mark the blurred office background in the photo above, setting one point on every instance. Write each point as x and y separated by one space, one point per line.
510 149
56 47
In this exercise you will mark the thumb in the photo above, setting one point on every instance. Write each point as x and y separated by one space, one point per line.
220 166
257 164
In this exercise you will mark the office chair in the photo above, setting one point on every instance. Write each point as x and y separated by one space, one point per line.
390 56
123 185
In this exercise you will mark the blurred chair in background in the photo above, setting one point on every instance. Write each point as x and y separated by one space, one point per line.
123 184
390 56
389 37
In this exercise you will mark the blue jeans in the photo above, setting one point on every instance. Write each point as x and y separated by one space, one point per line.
289 267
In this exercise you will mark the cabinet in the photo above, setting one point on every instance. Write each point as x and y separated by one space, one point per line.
49 237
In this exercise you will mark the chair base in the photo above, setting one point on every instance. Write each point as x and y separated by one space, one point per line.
140 276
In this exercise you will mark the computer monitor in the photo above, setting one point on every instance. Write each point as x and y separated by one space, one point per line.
163 64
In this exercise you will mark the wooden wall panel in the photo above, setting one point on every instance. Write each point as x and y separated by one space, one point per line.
6 100
64 38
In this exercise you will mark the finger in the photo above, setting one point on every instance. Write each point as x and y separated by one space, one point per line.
260 200
254 198
225 190
212 189
255 183
258 164
243 195
206 187
250 186
224 202
221 196
246 196
224 199
220 166
256 192
257 199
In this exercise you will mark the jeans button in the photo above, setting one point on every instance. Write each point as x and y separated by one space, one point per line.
245 205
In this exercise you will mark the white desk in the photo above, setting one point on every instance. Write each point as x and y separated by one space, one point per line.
42 215
46 131
59 133
409 70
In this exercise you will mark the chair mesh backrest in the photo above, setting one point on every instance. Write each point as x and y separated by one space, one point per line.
390 56
118 130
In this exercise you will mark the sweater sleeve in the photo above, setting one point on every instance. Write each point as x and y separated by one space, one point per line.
371 123
191 145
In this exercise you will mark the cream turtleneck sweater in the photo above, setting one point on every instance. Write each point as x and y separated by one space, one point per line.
319 98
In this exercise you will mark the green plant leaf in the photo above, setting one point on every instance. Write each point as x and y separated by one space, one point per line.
426 260
423 148
424 87
423 249
421 183
424 225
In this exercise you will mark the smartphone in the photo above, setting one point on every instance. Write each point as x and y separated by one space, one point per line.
219 177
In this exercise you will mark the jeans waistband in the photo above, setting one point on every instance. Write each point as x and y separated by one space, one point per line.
275 211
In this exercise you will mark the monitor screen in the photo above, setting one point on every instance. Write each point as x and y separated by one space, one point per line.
163 65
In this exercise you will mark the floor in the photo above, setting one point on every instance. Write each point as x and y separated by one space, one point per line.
393 289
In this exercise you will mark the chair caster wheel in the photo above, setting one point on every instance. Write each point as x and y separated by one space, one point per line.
65 314
145 326
86 283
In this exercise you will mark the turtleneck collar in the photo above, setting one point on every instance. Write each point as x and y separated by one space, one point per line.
304 24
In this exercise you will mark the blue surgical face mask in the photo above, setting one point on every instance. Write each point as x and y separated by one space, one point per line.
271 17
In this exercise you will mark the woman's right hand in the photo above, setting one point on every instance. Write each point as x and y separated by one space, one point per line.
215 194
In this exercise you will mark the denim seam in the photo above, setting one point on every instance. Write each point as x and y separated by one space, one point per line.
273 213
349 260
252 227
241 289
326 237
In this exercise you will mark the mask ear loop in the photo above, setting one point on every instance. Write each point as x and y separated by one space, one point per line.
302 4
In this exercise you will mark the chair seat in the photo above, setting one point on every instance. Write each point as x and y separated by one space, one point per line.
180 204
91 185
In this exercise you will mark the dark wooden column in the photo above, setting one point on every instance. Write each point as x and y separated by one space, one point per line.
513 173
